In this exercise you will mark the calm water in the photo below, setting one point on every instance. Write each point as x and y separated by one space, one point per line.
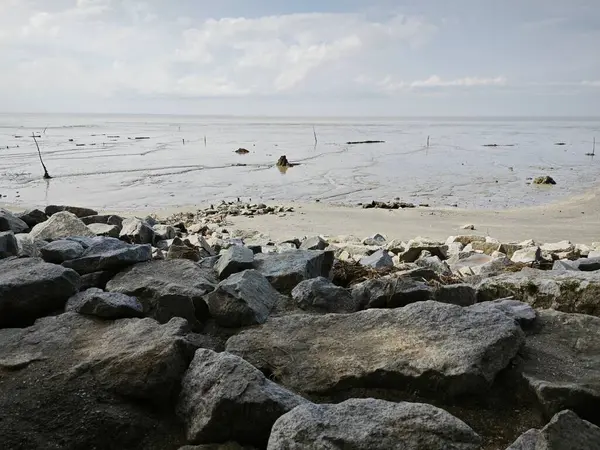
104 166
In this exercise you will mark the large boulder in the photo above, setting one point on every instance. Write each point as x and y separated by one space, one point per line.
427 346
29 247
224 398
71 382
285 270
106 305
104 229
31 288
321 295
32 217
76 210
520 312
234 259
8 244
106 219
455 294
183 249
245 298
109 254
137 231
391 292
381 259
10 222
416 246
313 243
370 424
61 225
60 251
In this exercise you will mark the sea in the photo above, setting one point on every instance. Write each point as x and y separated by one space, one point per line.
129 162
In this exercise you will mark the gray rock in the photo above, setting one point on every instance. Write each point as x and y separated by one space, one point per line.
104 229
376 240
588 264
436 264
521 312
455 294
378 260
562 265
31 288
566 431
96 279
60 251
428 346
414 248
10 222
391 292
8 244
106 219
183 249
76 210
321 295
285 270
61 225
370 424
235 259
85 242
107 305
527 255
164 232
245 298
225 398
32 217
28 246
110 254
136 231
314 243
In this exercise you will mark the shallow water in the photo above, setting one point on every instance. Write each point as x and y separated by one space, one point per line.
122 173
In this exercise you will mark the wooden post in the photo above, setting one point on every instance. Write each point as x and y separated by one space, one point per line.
46 174
315 134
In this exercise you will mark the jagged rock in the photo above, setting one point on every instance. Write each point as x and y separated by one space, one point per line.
428 346
74 382
220 385
110 254
106 219
167 289
465 239
521 312
376 240
455 294
28 246
10 222
588 264
8 244
354 251
76 210
436 264
61 225
390 292
245 298
486 247
198 241
527 255
164 232
313 243
285 270
235 259
562 265
558 247
136 231
565 431
96 279
321 295
414 248
107 305
31 288
544 180
183 249
370 424
85 242
378 260
396 246
60 251
104 229
32 217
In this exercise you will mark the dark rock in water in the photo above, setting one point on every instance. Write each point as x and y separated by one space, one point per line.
544 180
456 294
107 305
565 431
73 382
60 251
96 279
136 231
31 288
106 219
245 298
10 222
378 260
391 292
371 424
8 245
242 151
283 162
321 295
560 143
427 346
235 259
78 211
225 398
61 225
32 217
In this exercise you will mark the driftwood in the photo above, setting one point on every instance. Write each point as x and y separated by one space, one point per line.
46 174
364 142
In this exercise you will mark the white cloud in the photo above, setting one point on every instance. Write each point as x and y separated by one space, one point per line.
595 83
389 84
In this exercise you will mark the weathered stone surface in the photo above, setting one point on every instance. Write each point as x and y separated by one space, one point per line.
561 363
428 346
110 254
61 225
285 270
60 251
72 382
76 210
164 231
527 255
31 288
245 298
96 279
104 229
28 247
370 424
521 312
414 248
391 292
576 292
455 294
378 260
10 222
486 247
566 431
32 217
321 295
313 243
225 398
106 219
562 265
465 239
588 264
183 249
136 231
107 305
377 240
167 289
8 244
235 259
436 264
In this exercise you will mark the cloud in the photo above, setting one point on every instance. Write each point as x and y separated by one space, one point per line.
591 83
388 84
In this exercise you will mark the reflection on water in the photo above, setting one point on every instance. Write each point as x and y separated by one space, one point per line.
282 169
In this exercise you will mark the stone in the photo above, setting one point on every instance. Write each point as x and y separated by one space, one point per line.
96 279
164 232
436 264
588 264
183 249
378 260
485 247
558 247
396 246
10 222
167 289
104 229
32 217
106 219
85 242
468 227
376 240
528 255
544 180
136 231
313 243
109 254
226 446
354 251
76 210
8 244
234 259
321 295
71 381
224 398
59 226
106 305
521 312
455 294
31 288
371 424
565 431
497 265
29 247
434 348
198 241
390 292
465 239
414 248
285 270
60 251
243 299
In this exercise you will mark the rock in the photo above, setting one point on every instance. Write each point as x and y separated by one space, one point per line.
436 264
370 424
183 250
106 219
61 225
60 251
164 232
390 292
285 270
28 246
465 239
109 254
588 264
96 279
32 217
377 240
521 312
74 382
225 398
136 231
85 242
558 247
414 248
10 222
561 265
31 288
527 255
313 243
455 294
235 259
167 289
561 362
485 247
283 162
428 346
544 180
396 246
8 244
198 241
378 260
76 210
496 266
245 298
356 252
468 227
106 305
104 229
321 295
226 446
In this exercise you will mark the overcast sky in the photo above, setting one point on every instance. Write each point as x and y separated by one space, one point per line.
309 57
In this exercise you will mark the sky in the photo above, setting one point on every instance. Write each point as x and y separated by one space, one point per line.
309 57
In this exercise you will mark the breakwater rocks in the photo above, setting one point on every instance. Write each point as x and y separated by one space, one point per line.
130 333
